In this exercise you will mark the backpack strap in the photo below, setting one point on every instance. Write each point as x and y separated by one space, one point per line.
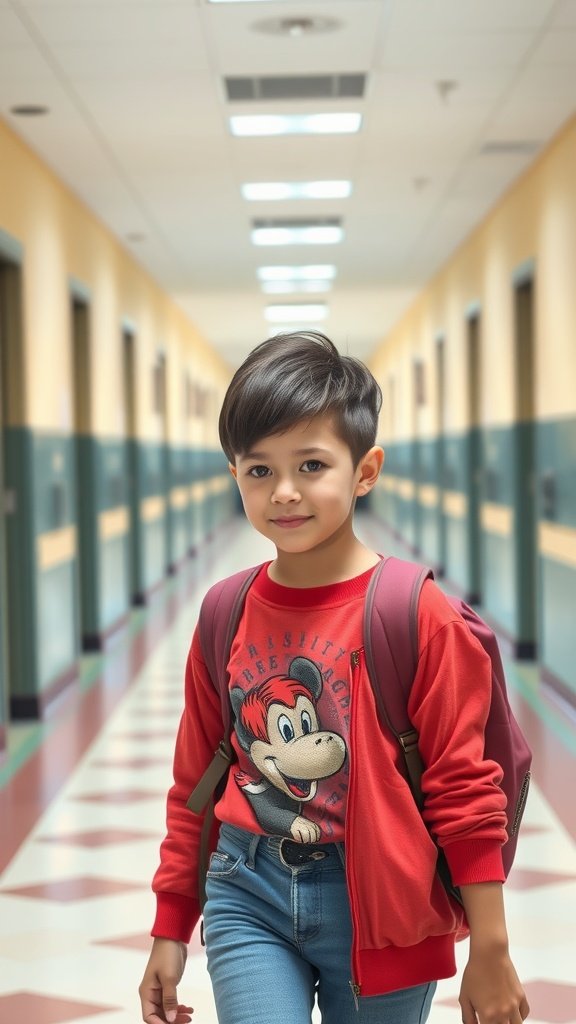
391 651
220 614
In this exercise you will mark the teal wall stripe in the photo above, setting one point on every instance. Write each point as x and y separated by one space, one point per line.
22 616
556 456
497 458
558 584
87 501
504 467
57 628
136 543
44 474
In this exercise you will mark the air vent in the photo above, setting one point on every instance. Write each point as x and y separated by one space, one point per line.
297 231
296 222
510 148
295 87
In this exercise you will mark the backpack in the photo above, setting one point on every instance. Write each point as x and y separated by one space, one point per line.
390 634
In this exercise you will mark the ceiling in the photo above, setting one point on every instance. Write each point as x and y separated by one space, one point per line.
460 96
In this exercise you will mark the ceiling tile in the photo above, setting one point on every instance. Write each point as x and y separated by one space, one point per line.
240 49
565 14
474 15
449 54
556 48
139 130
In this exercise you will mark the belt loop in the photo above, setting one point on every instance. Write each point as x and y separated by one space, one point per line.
251 858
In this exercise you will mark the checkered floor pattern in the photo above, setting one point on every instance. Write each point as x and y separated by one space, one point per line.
75 900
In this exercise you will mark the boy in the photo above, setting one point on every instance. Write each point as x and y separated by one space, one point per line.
323 884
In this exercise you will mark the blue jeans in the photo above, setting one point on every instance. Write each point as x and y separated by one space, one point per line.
277 937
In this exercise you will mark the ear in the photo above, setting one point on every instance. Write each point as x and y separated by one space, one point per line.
305 671
234 471
369 469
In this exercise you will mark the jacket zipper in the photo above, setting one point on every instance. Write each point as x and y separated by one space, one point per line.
520 805
355 987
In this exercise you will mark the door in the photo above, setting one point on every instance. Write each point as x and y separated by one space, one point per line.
441 451
474 458
524 471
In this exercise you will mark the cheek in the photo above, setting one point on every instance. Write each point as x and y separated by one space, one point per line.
339 491
249 497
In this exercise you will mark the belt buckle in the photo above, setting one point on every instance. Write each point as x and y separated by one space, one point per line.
306 855
281 854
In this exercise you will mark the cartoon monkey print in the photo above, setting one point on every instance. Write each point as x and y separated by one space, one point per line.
277 725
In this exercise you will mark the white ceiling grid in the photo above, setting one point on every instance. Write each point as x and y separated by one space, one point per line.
138 127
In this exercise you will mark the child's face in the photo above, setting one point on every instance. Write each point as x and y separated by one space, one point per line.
299 487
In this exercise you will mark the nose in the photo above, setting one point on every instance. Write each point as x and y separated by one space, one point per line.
285 491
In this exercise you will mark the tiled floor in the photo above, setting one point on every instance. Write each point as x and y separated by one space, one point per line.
75 903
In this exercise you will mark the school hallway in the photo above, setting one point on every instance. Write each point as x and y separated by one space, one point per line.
82 813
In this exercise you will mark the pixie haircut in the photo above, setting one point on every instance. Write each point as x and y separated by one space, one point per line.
292 378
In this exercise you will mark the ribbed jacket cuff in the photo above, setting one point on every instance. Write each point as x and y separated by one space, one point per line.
475 860
176 917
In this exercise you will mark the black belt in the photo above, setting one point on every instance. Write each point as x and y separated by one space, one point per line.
293 854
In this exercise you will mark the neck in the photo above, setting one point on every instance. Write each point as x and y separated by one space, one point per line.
339 560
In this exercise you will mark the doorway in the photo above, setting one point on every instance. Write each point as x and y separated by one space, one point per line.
474 456
18 649
86 511
524 469
441 450
134 485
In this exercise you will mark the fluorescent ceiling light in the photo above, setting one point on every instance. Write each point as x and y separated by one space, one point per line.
277 190
311 272
321 235
291 287
294 124
294 312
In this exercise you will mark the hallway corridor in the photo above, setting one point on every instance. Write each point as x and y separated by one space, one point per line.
82 812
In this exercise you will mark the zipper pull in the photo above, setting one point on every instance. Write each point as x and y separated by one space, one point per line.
355 993
355 659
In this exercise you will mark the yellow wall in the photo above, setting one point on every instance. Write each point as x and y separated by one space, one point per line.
535 220
62 240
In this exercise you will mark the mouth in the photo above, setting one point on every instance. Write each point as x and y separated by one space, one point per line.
300 788
291 522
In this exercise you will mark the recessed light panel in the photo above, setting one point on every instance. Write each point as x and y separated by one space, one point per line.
309 272
293 312
278 190
244 125
325 234
293 287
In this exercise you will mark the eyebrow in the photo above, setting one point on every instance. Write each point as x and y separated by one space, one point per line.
297 451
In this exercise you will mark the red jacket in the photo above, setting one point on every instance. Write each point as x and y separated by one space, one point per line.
404 924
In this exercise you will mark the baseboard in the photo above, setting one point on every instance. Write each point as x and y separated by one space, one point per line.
33 706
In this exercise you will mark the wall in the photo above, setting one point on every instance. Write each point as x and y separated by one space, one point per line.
427 494
100 512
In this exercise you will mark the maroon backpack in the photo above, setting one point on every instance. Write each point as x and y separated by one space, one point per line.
390 633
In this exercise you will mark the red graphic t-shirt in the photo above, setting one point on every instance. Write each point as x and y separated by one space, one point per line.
290 693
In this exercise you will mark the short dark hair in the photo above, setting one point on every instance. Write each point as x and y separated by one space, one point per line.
293 377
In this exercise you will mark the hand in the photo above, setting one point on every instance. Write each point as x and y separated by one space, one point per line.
491 992
158 987
305 831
